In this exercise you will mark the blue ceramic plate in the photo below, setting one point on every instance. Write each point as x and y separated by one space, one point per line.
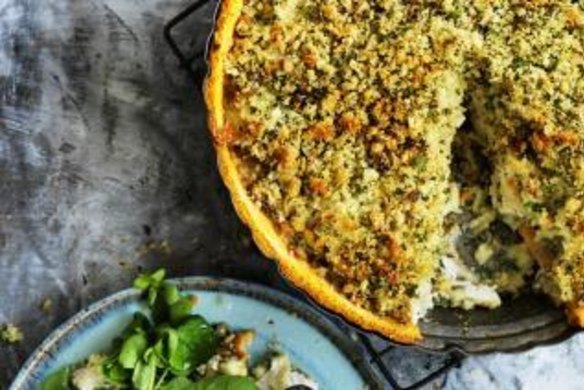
312 342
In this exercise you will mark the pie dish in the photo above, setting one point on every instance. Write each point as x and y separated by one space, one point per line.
392 155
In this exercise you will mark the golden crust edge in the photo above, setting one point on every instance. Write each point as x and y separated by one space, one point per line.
264 234
298 271
575 314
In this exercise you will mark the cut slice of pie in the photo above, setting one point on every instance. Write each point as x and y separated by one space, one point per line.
529 112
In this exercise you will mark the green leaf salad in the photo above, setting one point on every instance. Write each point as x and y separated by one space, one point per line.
170 348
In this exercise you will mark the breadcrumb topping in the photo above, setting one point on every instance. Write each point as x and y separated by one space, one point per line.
342 115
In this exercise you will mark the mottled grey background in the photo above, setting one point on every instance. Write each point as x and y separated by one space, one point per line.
105 162
106 167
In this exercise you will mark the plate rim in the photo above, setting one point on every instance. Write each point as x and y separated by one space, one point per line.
347 346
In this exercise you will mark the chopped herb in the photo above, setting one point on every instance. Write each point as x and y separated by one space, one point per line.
11 334
421 161
46 305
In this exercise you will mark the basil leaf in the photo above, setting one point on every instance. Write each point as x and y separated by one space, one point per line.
132 350
144 376
225 382
169 350
145 281
114 372
181 310
142 282
158 306
170 293
140 324
150 284
172 344
180 383
58 380
152 298
174 352
199 337
161 299
158 276
192 343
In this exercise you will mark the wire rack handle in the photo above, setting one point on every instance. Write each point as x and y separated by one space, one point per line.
189 62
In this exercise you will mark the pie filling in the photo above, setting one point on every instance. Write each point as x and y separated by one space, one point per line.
416 153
